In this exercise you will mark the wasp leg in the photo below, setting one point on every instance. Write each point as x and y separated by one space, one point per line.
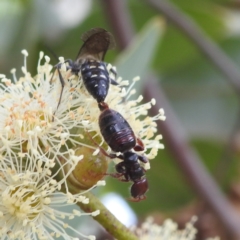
63 84
113 71
142 158
103 151
62 87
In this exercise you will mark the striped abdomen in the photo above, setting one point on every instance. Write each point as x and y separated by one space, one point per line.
116 131
96 79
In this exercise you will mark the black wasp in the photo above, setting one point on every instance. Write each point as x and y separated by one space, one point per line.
89 63
118 134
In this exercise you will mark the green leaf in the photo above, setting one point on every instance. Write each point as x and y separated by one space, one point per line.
202 98
136 59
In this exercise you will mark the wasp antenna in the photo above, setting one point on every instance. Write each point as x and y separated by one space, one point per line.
52 52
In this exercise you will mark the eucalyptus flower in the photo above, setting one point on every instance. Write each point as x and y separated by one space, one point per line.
50 147
167 231
31 205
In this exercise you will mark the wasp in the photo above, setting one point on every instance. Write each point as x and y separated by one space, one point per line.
90 66
120 137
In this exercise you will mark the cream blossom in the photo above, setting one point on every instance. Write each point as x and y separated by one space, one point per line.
31 119
31 205
45 132
167 231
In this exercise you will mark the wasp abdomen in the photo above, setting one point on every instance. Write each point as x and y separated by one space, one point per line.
96 79
122 141
116 131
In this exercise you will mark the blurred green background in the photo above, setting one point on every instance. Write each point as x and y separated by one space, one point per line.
201 97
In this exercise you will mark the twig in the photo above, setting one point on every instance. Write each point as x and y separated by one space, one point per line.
223 63
119 18
107 219
226 160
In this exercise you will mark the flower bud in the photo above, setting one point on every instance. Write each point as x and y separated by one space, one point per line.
90 169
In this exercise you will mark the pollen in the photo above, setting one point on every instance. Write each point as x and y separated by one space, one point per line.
22 202
29 119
